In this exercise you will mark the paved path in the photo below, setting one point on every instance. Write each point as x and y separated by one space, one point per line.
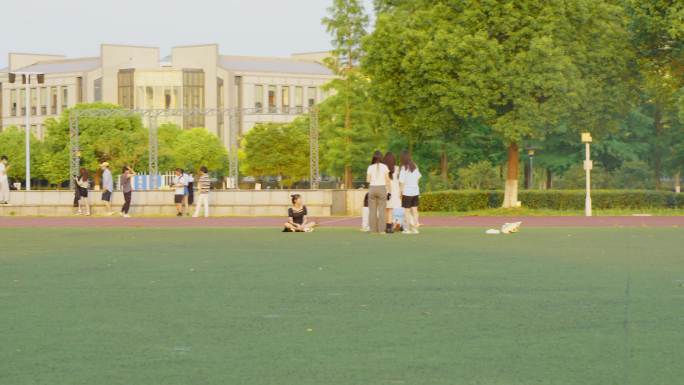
485 222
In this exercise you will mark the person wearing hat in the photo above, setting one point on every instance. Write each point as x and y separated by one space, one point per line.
107 187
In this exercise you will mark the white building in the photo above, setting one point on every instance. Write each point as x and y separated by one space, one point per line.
192 77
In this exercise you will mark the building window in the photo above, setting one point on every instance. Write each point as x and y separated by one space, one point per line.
299 99
65 97
53 100
259 98
22 101
149 98
167 99
34 101
312 96
97 87
43 100
193 98
272 99
13 102
126 98
285 98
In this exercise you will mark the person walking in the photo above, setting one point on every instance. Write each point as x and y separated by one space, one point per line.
107 187
204 185
126 176
190 178
179 191
409 175
83 183
378 180
4 180
186 192
394 194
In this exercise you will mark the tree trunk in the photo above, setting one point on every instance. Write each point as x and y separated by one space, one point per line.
677 181
657 153
511 191
444 164
348 177
549 179
527 172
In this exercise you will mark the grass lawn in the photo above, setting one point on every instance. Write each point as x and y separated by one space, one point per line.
337 307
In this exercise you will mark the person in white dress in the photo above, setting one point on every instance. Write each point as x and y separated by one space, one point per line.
394 193
4 181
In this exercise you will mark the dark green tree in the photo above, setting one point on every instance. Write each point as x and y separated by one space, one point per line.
347 23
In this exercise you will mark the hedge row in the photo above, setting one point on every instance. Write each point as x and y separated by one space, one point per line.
468 200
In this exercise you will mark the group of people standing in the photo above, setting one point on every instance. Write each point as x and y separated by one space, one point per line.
391 187
83 185
184 192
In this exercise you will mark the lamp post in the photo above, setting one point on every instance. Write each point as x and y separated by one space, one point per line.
26 77
530 155
588 165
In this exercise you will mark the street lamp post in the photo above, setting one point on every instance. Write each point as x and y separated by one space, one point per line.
530 155
588 165
26 76
27 122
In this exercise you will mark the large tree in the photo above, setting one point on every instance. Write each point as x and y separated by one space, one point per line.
657 28
119 139
278 150
13 145
347 23
342 148
198 147
521 66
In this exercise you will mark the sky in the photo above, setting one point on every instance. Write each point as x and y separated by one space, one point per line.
76 28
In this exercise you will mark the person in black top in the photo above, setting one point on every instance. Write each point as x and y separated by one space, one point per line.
297 222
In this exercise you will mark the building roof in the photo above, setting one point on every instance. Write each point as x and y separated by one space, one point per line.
63 66
277 65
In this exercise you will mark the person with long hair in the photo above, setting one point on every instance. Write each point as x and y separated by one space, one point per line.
83 183
409 175
127 189
394 194
378 180
297 222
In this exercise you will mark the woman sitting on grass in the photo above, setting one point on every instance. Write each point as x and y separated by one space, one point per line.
297 222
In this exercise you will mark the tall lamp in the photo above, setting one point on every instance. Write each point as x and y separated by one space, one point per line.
588 165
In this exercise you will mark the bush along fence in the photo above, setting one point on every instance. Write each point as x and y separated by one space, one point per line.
468 200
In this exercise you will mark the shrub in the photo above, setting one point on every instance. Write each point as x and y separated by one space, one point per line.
468 200
479 175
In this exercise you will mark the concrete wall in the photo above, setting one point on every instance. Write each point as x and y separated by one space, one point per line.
321 203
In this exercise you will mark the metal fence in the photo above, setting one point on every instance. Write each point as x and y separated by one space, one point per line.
235 119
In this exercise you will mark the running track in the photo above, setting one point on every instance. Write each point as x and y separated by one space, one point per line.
485 222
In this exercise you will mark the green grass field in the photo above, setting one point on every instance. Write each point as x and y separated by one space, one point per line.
337 307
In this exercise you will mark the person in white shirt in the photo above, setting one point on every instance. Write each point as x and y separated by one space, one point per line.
179 186
394 196
410 192
378 180
4 181
107 187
